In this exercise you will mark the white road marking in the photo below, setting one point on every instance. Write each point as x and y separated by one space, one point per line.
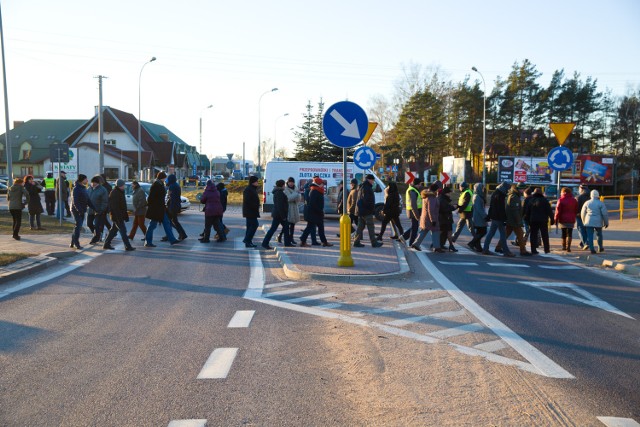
311 298
328 306
498 264
287 292
457 263
588 298
86 257
218 364
542 363
242 319
415 319
256 276
418 304
279 284
560 267
491 346
401 295
425 303
457 331
618 422
188 423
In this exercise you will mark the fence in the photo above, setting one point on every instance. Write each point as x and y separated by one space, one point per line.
622 207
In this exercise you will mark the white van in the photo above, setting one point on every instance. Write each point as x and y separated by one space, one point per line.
331 174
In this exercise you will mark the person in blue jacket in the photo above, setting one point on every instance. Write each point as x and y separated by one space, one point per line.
174 204
79 203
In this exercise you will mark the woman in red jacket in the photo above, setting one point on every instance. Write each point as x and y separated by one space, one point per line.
566 211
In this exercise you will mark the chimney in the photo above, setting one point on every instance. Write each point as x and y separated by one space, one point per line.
17 123
164 137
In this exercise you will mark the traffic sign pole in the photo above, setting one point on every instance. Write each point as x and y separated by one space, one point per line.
345 259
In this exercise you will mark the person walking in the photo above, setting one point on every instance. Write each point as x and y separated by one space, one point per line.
413 202
50 193
224 195
97 211
391 213
62 195
351 204
35 204
174 203
79 204
251 210
212 213
583 197
498 217
18 198
429 219
139 200
280 215
566 214
445 218
539 214
119 215
594 215
515 223
315 213
305 209
365 208
465 211
293 213
107 186
479 217
157 211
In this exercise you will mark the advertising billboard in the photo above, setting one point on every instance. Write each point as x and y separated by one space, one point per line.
528 170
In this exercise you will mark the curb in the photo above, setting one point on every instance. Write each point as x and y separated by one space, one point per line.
293 272
609 264
26 267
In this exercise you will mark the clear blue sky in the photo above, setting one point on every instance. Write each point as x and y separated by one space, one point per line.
229 53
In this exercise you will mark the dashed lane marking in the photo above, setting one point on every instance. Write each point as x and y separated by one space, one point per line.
458 263
499 264
618 422
560 267
188 423
242 319
218 364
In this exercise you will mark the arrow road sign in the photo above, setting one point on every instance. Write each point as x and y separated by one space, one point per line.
409 177
345 124
364 157
560 158
444 177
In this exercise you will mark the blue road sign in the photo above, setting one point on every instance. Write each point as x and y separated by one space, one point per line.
560 158
345 124
364 157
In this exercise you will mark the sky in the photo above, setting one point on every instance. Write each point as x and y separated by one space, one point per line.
228 54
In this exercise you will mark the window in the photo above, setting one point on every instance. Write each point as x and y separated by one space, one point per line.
110 142
26 154
25 150
112 173
26 170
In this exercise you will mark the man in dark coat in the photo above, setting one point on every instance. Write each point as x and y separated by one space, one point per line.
96 215
538 213
251 210
280 213
62 195
119 215
583 198
157 211
498 217
315 213
80 202
365 208
174 204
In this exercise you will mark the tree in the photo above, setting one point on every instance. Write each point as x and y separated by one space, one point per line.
308 147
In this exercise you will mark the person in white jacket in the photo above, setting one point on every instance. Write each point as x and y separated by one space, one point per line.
594 215
293 197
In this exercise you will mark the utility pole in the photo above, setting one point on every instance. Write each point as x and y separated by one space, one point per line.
100 127
6 109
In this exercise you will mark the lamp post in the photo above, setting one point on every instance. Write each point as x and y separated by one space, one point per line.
484 129
140 119
201 112
259 121
275 132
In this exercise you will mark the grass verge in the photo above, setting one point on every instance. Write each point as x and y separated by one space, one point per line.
10 258
50 224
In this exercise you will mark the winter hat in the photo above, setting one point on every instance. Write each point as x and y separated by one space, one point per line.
81 177
253 179
120 183
595 194
317 180
464 184
96 179
280 183
291 179
371 176
354 182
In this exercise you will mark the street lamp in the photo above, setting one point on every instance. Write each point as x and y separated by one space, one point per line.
140 120
484 129
259 101
275 132
201 112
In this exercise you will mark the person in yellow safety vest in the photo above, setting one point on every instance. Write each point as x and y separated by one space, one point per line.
413 201
50 193
464 210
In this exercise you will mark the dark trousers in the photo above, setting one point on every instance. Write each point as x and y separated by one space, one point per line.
176 224
479 234
275 223
292 228
411 234
118 227
34 220
543 229
91 220
252 227
311 228
16 215
98 225
138 221
79 219
465 218
395 221
365 221
50 201
216 223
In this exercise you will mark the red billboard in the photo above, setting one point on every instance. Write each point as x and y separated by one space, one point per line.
590 169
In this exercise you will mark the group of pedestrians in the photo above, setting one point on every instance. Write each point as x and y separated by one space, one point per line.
25 192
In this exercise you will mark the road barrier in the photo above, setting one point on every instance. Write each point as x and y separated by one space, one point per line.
622 208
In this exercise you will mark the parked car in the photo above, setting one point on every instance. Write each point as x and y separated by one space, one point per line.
218 177
128 195
3 189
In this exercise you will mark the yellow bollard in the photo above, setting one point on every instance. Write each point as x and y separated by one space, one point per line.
621 207
345 259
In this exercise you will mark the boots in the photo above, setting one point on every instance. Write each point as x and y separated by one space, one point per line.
564 243
569 244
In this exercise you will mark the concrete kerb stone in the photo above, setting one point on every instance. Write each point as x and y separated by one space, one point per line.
599 261
293 272
26 267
